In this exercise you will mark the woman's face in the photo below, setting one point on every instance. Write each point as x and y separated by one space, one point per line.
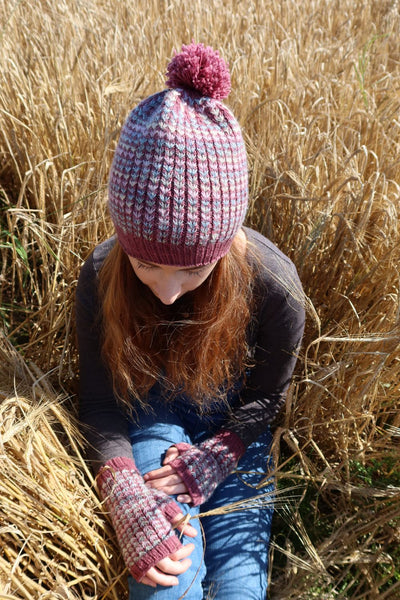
170 283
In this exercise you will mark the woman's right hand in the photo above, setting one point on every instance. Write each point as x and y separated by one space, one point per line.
165 572
158 556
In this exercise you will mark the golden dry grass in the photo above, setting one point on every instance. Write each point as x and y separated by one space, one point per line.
55 543
316 89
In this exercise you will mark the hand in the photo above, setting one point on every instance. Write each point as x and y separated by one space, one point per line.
165 572
167 479
198 470
133 508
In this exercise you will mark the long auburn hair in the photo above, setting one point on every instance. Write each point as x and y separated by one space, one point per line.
197 346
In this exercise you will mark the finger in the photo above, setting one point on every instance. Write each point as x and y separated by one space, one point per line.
174 564
168 479
182 552
174 567
184 498
158 473
184 527
171 454
160 578
147 581
170 490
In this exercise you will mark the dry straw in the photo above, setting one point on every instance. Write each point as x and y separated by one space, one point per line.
55 543
315 86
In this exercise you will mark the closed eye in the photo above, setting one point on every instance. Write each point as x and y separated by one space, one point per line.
148 267
145 267
197 272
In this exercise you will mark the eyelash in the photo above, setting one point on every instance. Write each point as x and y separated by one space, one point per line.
150 267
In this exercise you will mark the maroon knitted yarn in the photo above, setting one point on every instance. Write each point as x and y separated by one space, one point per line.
141 517
178 189
204 467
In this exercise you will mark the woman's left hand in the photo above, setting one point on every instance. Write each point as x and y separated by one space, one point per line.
167 479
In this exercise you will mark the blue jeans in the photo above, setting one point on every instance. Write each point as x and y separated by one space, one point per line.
234 563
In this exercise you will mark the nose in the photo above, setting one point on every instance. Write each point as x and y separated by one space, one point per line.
168 290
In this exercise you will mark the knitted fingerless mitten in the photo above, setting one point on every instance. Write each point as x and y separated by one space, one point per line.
141 517
204 467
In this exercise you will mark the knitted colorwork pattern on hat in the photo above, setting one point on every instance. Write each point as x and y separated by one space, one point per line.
178 187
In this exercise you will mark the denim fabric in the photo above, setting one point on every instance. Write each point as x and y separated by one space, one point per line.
233 564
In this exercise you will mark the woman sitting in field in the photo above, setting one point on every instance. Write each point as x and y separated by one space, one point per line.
188 326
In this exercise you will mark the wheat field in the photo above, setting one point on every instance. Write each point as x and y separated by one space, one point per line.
316 88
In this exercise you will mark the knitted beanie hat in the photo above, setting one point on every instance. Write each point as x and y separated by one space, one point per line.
178 187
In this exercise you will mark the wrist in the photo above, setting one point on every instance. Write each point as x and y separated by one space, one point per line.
230 441
119 464
139 568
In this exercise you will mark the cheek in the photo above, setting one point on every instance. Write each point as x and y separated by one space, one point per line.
145 277
189 285
192 282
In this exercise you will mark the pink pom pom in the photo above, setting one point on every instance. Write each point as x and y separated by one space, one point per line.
200 68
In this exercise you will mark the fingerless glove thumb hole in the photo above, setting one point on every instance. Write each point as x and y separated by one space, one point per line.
183 446
182 467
